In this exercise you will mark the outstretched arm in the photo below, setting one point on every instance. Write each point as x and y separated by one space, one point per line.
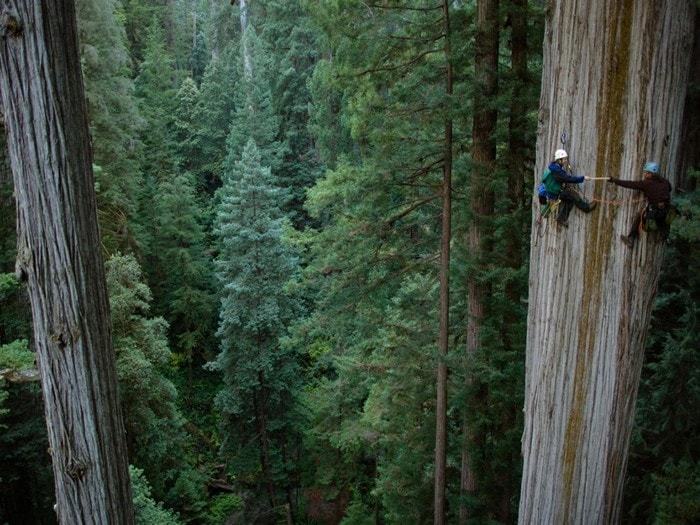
632 184
562 176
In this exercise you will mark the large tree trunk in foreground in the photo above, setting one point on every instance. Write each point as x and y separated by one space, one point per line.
615 75
59 255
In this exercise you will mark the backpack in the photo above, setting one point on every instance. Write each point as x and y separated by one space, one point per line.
551 185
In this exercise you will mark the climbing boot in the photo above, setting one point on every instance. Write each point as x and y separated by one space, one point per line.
563 224
592 206
627 240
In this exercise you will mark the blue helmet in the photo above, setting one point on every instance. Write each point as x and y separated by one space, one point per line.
651 167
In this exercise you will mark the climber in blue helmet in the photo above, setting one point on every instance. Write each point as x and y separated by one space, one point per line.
657 190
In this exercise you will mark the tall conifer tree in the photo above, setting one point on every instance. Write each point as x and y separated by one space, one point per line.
156 93
293 42
174 245
255 117
260 375
215 109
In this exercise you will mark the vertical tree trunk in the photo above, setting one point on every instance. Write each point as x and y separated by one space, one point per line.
59 255
214 42
481 200
260 401
518 146
444 337
690 152
247 62
614 79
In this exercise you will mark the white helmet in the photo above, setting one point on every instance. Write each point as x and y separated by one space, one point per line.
560 154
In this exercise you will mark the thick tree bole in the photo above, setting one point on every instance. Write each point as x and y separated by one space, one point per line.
614 78
59 252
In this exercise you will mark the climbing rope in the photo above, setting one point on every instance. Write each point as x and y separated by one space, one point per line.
552 206
564 138
618 202
612 202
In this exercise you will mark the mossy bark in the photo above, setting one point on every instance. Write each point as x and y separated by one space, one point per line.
614 81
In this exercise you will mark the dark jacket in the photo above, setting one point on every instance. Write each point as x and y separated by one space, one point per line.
554 176
657 190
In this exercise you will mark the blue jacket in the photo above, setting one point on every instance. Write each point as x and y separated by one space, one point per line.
554 176
562 176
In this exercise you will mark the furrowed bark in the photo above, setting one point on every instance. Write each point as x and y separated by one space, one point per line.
614 78
59 255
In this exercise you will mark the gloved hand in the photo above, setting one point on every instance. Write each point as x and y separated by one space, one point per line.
580 179
612 179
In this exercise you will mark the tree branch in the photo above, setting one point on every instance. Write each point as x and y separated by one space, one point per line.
410 209
398 66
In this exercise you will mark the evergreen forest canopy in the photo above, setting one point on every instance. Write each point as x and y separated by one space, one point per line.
273 179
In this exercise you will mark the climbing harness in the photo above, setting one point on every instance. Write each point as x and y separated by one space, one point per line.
650 215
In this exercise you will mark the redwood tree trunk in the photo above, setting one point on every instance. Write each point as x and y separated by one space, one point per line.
481 195
444 336
59 255
614 78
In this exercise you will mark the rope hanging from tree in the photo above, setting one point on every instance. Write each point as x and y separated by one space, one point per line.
610 202
617 202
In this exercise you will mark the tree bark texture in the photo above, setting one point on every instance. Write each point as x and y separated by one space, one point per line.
481 195
444 335
59 255
614 79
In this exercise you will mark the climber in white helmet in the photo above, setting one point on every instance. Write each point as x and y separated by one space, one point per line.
555 186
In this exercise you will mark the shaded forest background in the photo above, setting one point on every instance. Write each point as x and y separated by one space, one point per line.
270 211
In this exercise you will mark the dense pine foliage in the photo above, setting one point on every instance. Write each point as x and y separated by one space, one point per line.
270 192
